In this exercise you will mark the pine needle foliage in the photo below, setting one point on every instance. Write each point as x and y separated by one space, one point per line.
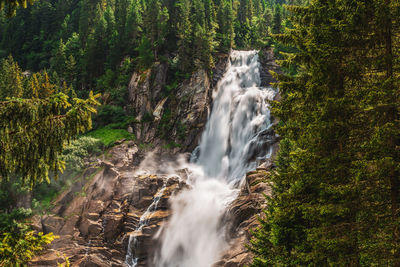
336 191
11 6
34 130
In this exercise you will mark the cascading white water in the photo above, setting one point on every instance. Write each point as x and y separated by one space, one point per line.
239 113
235 137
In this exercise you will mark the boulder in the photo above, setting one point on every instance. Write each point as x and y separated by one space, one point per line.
69 227
36 223
52 224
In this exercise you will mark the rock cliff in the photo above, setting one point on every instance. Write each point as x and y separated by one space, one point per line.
182 113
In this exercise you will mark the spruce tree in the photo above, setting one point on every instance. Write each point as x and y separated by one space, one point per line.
225 31
335 193
184 34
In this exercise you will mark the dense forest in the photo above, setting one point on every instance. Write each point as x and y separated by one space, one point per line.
91 44
336 191
336 188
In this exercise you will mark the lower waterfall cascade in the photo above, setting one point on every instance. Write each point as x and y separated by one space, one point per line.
236 136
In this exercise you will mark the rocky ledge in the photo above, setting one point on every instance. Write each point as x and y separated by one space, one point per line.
243 215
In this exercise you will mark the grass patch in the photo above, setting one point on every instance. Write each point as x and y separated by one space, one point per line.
171 145
108 135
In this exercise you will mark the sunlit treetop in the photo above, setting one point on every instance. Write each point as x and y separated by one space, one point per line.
11 6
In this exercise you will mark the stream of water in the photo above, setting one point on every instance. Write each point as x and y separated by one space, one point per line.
235 137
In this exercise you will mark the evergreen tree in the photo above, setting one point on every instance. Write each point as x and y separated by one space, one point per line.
184 33
59 59
155 21
277 20
11 5
335 192
133 24
225 31
11 77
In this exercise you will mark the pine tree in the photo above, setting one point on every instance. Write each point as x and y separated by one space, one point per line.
59 59
225 31
97 43
200 38
155 22
335 198
277 20
133 24
184 34
11 5
11 84
33 129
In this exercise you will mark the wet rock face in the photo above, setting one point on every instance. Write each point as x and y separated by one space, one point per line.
144 90
96 224
243 214
94 221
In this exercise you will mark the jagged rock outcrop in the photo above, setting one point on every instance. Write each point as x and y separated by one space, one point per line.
268 64
243 214
187 107
94 220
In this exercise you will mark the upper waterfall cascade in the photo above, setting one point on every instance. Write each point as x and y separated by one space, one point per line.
237 134
233 138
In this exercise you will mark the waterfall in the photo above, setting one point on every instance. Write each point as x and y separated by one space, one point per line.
235 137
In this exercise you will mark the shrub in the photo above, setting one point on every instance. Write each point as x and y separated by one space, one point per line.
18 243
78 150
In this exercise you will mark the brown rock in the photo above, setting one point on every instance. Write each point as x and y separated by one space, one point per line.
52 224
36 223
92 261
69 227
112 226
50 258
88 227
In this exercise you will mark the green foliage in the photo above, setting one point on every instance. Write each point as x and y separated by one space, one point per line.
78 150
87 38
18 244
336 191
10 79
16 249
109 135
10 6
33 130
277 20
145 54
171 145
108 114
